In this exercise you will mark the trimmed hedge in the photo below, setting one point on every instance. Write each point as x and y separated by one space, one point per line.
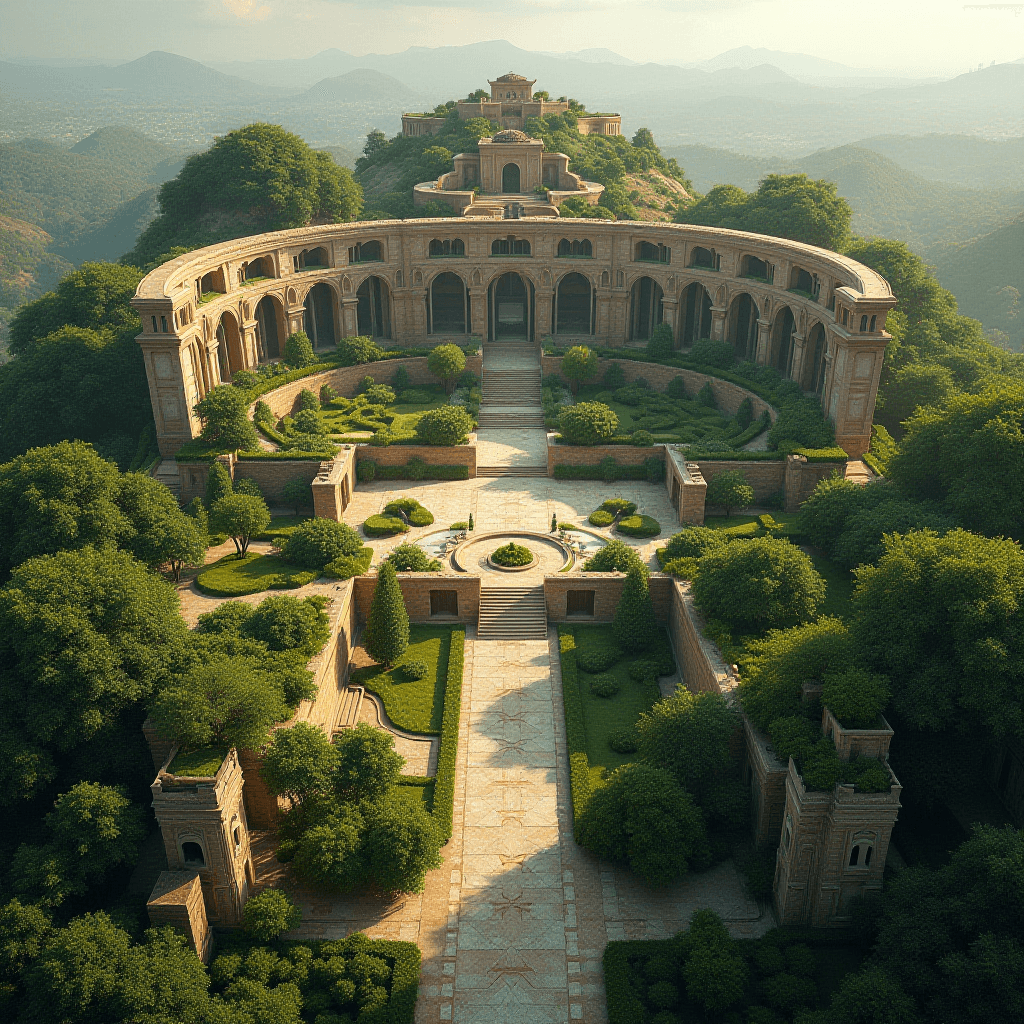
623 1005
652 470
384 526
346 568
444 789
414 469
231 576
638 526
292 455
575 733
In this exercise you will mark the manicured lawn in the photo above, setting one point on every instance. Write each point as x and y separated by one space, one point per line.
232 576
346 414
280 527
415 796
416 705
202 763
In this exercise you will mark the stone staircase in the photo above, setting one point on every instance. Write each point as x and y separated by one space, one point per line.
511 389
512 613
500 471
348 713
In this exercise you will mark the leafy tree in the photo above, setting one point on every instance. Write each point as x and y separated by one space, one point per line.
367 763
226 424
587 423
298 493
300 763
55 498
329 853
914 385
270 914
693 542
218 484
84 637
446 426
778 664
764 581
307 422
730 490
94 297
941 617
644 818
285 623
634 626
257 178
446 362
226 702
380 394
354 351
412 558
871 996
615 556
308 400
376 140
247 486
23 931
241 517
579 364
402 844
158 531
855 697
298 350
714 972
316 542
689 734
661 344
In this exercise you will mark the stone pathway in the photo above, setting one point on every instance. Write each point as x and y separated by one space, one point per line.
509 446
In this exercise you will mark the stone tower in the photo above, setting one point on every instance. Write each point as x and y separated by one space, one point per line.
834 844
203 823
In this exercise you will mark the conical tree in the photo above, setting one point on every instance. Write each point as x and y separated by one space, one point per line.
634 625
387 629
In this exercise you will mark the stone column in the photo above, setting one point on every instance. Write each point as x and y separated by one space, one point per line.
764 342
797 362
478 311
544 300
294 316
250 344
718 323
671 315
349 316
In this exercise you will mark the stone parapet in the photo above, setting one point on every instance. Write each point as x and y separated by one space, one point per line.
700 661
852 743
335 484
593 455
766 776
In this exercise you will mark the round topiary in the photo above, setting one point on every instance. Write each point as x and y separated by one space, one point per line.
412 558
643 669
643 438
605 685
414 670
618 505
444 427
307 422
625 741
512 555
308 400
380 394
316 542
601 518
383 526
639 526
352 351
587 423
597 659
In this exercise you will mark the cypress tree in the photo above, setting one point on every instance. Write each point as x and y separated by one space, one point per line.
387 628
634 625
218 484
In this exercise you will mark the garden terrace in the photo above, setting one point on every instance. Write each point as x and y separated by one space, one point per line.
188 351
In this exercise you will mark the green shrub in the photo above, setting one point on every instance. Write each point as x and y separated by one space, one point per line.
619 505
600 518
307 422
417 514
614 377
308 400
745 413
693 542
511 555
380 394
855 697
642 438
414 670
316 542
412 558
400 379
269 914
446 426
597 658
615 556
730 490
366 471
298 350
719 354
676 388
384 526
575 732
661 344
706 396
634 625
625 741
386 635
604 685
642 669
327 394
446 362
345 568
353 351
250 487
639 526
587 423
246 380
444 787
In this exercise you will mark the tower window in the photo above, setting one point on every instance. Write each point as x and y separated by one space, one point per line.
860 855
192 855
237 833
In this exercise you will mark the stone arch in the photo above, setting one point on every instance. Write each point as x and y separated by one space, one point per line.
439 248
783 329
271 327
346 285
646 308
742 326
399 278
694 314
702 258
417 278
229 350
511 178
448 309
579 247
755 268
255 269
192 851
511 246
373 308
652 252
606 279
318 319
803 281
511 304
316 258
292 297
366 252
815 364
574 309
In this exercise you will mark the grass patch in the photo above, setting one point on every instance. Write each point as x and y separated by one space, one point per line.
839 583
202 763
416 705
417 793
281 527
232 576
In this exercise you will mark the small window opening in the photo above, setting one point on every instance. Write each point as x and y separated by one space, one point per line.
192 855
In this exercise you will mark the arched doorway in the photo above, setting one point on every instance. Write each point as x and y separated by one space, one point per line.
318 318
815 363
782 341
510 178
373 308
510 308
229 349
574 305
743 317
270 328
696 311
447 305
646 308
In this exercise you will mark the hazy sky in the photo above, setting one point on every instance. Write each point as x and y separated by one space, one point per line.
936 35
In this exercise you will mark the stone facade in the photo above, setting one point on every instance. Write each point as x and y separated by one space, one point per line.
416 590
400 454
201 324
204 828
177 900
607 589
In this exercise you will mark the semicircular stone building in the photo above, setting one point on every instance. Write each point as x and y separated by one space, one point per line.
817 316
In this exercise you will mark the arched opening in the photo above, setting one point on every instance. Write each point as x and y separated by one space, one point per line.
255 270
446 247
574 305
448 305
696 310
863 324
814 361
209 286
646 308
579 247
511 179
702 258
373 308
270 327
801 280
743 317
318 318
311 259
510 307
510 246
860 856
756 269
192 855
366 252
230 346
782 341
648 252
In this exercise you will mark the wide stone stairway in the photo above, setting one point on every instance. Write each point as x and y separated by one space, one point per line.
512 613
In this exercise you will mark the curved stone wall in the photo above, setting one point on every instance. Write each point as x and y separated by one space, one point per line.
816 315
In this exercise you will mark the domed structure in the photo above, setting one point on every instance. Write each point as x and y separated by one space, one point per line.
511 135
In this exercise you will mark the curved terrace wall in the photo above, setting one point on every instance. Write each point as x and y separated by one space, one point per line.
201 323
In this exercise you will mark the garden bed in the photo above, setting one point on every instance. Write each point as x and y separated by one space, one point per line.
232 576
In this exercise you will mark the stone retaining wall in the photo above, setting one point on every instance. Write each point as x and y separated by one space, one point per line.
416 588
700 661
400 454
592 455
607 588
